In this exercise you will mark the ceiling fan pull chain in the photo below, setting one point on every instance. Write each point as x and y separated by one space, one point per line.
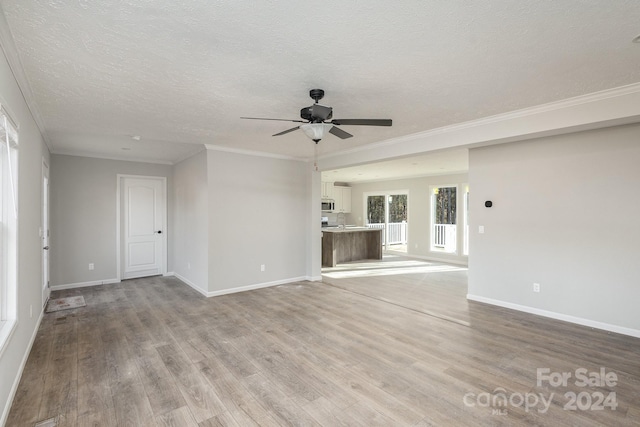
315 156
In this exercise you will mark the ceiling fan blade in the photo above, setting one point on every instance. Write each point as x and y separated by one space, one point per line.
339 133
363 122
286 131
279 120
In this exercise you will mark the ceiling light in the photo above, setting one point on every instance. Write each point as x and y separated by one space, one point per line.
316 131
136 137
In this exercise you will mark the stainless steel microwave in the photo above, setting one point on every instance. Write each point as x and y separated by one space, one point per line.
328 205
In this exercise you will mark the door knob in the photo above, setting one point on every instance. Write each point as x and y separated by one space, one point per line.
46 248
159 231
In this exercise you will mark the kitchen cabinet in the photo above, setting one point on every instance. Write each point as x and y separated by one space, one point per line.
327 190
350 244
342 196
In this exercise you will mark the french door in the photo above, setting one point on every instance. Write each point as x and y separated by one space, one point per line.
389 211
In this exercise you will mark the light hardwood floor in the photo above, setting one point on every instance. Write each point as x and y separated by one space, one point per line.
387 344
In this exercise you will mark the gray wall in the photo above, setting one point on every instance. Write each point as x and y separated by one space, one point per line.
565 216
191 220
32 150
419 211
257 215
83 216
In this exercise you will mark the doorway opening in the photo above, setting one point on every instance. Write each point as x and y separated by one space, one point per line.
389 212
44 233
444 218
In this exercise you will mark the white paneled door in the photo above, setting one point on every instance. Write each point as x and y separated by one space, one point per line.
143 220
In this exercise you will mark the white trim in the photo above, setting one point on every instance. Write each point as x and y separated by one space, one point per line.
6 332
253 153
210 294
46 173
255 286
498 118
18 377
189 283
165 226
558 316
434 259
188 156
84 284
611 107
76 153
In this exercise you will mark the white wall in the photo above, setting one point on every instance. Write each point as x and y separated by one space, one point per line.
419 211
83 216
191 220
565 216
257 216
31 152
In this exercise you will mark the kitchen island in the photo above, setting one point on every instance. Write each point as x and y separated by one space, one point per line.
350 244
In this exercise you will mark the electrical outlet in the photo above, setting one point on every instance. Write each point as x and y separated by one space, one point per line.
536 287
91 266
263 267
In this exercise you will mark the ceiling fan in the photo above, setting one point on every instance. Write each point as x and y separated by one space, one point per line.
317 120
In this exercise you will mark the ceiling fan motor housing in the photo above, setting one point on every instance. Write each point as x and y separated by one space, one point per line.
316 113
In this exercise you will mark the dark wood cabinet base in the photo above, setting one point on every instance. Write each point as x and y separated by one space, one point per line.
345 245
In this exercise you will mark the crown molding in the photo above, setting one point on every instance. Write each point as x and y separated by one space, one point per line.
10 51
253 153
115 158
551 118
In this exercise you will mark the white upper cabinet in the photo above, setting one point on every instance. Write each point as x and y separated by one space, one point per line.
342 196
327 190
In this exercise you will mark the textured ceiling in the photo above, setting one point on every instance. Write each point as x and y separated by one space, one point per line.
181 73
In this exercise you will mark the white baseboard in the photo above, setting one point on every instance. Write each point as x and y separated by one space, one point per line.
558 316
430 258
84 284
255 286
18 377
188 282
210 294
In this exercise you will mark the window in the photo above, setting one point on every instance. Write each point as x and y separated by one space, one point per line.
388 211
443 219
8 228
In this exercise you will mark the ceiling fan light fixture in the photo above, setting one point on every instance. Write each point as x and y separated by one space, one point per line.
315 131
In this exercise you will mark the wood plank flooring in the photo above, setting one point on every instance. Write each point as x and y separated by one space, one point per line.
394 345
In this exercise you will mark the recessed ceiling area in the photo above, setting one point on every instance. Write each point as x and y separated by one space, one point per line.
436 163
